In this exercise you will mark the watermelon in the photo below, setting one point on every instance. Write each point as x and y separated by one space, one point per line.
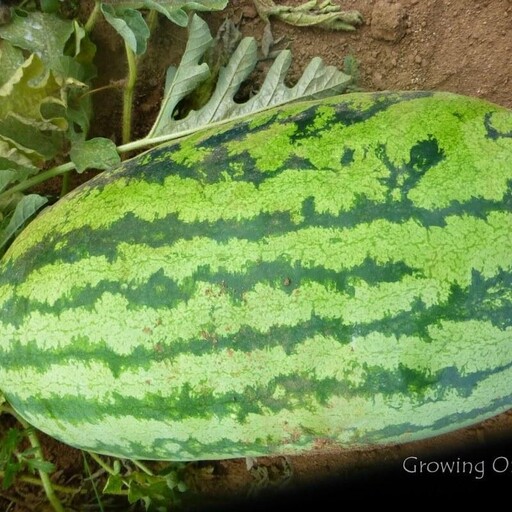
332 273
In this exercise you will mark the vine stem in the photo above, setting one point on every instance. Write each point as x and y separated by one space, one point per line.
152 20
43 475
128 94
111 470
143 467
36 481
65 184
101 463
38 178
91 20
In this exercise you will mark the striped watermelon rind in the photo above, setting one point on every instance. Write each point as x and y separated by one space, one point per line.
336 271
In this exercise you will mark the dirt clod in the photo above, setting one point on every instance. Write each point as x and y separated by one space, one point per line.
388 21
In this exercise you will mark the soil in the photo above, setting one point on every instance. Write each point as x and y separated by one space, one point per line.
463 46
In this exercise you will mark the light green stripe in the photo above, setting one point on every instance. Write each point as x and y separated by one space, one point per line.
470 346
448 254
502 121
342 419
211 310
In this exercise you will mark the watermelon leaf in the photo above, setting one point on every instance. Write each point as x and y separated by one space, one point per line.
183 80
49 5
97 153
12 159
114 485
7 176
13 460
8 463
41 94
175 10
130 25
317 80
43 34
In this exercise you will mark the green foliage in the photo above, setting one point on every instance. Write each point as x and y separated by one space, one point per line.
46 63
351 68
175 10
15 460
99 150
158 491
25 208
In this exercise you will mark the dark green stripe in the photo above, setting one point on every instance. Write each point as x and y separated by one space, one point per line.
160 291
85 242
347 113
424 155
190 403
199 451
161 163
492 132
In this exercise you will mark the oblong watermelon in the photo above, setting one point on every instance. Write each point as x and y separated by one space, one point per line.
335 272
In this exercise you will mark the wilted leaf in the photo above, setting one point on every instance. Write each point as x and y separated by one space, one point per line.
25 99
319 13
317 80
217 55
97 153
182 81
38 140
11 59
36 106
27 87
11 158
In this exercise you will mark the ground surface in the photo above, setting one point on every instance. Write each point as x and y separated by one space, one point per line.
462 46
